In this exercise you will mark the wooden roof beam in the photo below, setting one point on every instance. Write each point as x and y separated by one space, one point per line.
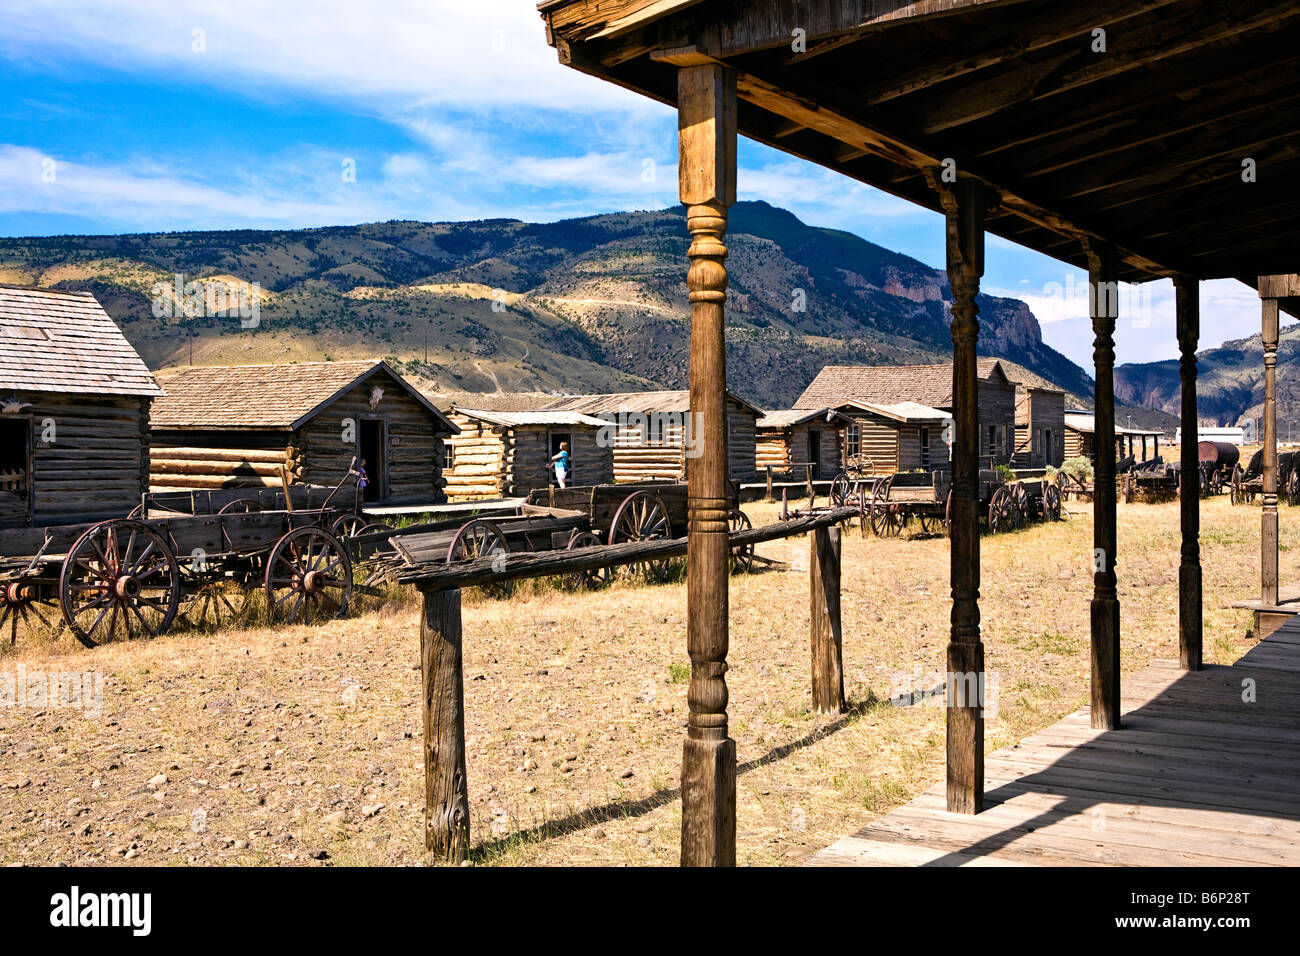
1170 37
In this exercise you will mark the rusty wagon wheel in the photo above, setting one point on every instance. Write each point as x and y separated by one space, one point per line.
482 539
241 506
120 579
886 522
642 516
742 556
308 577
592 580
1004 513
1052 510
347 526
20 600
841 489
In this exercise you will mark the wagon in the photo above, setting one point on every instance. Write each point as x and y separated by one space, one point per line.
1248 482
567 518
894 501
128 577
1218 460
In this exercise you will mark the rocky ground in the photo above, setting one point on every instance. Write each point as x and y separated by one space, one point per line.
301 746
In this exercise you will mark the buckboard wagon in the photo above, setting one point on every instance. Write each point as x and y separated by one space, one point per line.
1248 482
895 500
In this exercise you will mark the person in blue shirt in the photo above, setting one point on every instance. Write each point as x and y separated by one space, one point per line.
561 462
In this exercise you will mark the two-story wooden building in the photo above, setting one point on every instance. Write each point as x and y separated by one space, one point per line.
1040 427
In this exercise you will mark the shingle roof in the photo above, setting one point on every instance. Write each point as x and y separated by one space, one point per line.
1087 424
789 417
906 412
263 396
513 419
65 342
677 400
885 384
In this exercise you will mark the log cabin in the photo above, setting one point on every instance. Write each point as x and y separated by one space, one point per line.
926 385
508 454
1040 427
788 439
236 426
1080 426
885 439
654 436
74 411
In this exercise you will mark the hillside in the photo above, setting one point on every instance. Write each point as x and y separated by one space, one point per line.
588 304
1229 381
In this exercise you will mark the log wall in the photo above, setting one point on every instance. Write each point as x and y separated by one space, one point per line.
94 466
491 461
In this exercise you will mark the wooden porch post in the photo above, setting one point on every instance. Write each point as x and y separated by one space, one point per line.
1104 302
706 123
964 207
1188 309
1268 517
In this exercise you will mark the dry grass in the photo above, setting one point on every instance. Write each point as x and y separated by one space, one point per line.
268 732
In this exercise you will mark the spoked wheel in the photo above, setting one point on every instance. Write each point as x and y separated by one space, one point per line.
841 489
1023 505
1293 488
1236 495
347 526
482 539
19 601
1004 513
592 580
119 580
215 602
1052 509
642 516
929 523
886 522
308 577
241 506
742 556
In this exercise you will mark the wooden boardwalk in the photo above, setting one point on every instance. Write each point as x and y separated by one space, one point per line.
1196 777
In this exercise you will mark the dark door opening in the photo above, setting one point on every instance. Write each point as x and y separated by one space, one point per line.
555 440
15 460
815 451
374 459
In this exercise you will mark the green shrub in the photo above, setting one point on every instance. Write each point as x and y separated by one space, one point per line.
1005 472
1077 467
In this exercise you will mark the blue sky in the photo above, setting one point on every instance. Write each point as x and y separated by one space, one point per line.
143 115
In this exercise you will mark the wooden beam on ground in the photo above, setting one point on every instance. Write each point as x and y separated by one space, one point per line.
1103 294
1188 309
706 125
965 204
824 621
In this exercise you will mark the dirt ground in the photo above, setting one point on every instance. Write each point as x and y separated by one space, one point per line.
302 745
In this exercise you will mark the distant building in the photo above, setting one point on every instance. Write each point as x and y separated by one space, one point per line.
1233 435
1040 427
1140 443
837 386
791 437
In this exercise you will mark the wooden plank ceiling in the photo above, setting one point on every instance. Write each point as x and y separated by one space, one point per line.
1141 145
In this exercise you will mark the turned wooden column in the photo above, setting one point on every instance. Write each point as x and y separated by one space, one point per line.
1103 287
1187 305
964 208
1268 516
706 110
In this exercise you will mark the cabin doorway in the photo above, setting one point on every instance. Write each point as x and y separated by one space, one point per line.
372 451
15 465
555 440
815 451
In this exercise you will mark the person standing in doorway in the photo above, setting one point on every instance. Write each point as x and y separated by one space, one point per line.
560 460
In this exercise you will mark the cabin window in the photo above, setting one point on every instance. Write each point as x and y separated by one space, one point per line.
14 436
853 440
993 441
925 448
448 456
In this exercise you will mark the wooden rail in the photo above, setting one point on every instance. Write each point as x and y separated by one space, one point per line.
446 786
790 469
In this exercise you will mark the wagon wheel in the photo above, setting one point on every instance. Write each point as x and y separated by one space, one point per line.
1052 502
242 506
20 601
642 516
214 601
1004 515
308 577
120 579
840 489
742 556
347 526
1293 488
592 580
886 522
482 539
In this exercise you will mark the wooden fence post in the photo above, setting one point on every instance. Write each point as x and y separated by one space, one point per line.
811 496
824 616
446 793
770 496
